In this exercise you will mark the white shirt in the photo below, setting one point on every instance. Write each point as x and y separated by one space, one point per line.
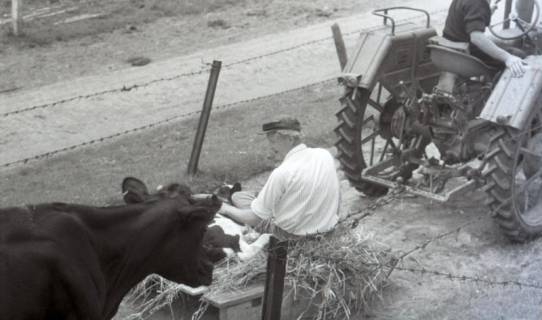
301 196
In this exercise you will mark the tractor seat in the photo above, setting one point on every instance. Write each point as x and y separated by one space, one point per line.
454 57
458 46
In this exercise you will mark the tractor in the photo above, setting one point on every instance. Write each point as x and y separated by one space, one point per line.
420 114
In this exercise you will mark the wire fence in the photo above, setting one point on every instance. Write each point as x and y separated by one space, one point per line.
125 88
156 124
456 277
472 279
355 218
398 264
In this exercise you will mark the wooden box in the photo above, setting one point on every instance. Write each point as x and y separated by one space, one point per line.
244 304
239 305
247 304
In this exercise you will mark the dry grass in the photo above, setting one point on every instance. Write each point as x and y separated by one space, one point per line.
111 16
166 6
336 276
192 6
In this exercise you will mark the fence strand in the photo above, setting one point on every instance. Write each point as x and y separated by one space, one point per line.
155 124
125 88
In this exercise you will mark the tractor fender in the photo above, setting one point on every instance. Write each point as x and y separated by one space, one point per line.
362 68
381 55
513 98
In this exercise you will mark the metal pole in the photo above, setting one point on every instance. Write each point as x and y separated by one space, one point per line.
339 45
507 10
204 118
16 16
277 257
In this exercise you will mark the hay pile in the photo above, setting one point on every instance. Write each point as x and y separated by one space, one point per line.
338 275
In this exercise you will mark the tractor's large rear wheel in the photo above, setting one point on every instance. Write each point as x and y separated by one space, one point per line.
514 180
369 132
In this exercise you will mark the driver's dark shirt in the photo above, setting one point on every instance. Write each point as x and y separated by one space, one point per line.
464 17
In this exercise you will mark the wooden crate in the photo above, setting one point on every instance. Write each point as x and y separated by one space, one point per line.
247 304
240 305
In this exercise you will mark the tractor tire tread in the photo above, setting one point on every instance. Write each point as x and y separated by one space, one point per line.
349 145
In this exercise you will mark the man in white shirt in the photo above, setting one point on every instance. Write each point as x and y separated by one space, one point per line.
300 197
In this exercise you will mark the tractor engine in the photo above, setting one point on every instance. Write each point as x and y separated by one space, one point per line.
456 132
449 120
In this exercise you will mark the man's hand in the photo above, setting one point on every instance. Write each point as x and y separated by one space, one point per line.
516 66
222 210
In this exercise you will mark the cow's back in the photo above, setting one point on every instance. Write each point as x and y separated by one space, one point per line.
13 221
35 256
69 261
31 288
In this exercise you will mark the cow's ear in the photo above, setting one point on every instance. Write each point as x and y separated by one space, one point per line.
236 187
134 190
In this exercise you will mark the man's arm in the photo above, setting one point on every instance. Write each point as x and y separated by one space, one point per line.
245 216
513 62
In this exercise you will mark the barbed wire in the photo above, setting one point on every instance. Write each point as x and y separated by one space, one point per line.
395 265
464 278
155 124
426 243
451 276
354 218
125 88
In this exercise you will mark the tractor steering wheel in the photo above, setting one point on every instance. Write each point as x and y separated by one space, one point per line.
522 25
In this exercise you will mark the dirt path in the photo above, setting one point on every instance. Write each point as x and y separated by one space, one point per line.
90 108
466 269
457 264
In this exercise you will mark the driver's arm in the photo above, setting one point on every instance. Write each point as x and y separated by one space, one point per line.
513 62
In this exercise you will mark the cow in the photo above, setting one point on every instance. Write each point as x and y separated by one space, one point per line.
71 261
224 239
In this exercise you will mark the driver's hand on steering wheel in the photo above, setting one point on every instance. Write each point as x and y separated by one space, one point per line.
516 65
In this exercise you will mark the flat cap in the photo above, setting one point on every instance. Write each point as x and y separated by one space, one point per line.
283 123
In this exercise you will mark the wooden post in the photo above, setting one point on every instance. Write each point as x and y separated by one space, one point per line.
204 118
339 45
277 258
16 16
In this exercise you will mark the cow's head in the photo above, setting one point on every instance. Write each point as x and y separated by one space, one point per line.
184 259
225 191
189 262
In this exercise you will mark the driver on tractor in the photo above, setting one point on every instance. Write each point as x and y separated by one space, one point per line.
466 22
